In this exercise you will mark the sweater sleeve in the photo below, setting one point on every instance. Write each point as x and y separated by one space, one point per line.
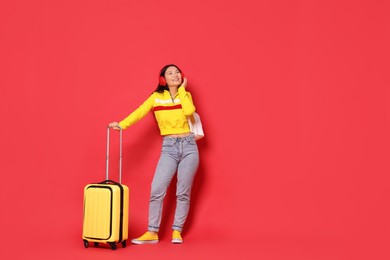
138 114
186 101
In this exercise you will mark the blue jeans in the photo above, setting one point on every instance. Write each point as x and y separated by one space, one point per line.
177 155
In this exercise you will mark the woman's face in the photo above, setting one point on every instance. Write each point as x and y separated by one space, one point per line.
173 76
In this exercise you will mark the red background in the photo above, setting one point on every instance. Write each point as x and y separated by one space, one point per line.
294 98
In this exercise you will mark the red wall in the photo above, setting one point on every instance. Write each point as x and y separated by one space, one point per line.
294 98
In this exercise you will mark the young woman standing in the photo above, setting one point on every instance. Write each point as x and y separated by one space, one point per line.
171 104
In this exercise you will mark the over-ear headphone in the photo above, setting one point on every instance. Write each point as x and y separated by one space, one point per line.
163 82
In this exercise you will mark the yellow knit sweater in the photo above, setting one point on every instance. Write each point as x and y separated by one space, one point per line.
170 112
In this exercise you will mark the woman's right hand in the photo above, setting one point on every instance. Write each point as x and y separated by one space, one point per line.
114 125
184 83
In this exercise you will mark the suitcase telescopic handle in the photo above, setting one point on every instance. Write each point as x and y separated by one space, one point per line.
108 154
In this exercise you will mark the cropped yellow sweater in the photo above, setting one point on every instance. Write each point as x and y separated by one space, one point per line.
170 112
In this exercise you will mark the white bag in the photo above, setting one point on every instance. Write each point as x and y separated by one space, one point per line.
196 126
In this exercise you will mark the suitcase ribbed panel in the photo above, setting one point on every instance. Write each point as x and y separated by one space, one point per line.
98 213
125 212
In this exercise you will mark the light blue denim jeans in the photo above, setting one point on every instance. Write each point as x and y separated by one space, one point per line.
177 155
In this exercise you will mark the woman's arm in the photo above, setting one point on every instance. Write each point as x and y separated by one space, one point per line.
186 99
135 116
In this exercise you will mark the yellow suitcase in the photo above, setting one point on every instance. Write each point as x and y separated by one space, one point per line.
106 209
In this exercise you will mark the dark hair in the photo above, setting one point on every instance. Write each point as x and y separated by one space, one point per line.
161 88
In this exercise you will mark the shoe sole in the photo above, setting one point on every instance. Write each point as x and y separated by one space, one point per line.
138 242
177 241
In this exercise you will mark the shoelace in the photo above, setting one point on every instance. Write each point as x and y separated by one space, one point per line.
148 236
176 234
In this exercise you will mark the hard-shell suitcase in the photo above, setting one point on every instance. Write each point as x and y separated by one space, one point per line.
106 208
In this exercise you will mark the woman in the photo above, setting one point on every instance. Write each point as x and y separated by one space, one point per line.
172 104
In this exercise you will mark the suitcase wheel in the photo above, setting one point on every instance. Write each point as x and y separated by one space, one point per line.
113 245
